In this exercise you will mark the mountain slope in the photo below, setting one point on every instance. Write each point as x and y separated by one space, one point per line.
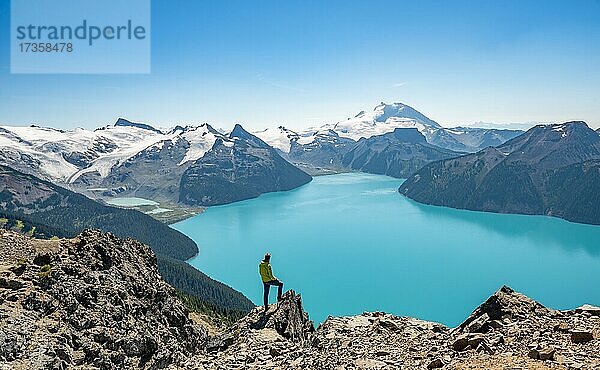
98 301
37 201
34 207
539 172
324 147
238 167
218 297
136 159
398 154
471 139
95 301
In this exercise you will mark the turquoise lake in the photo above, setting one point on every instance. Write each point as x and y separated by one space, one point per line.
351 243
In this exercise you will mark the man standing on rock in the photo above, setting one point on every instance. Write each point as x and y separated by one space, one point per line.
268 279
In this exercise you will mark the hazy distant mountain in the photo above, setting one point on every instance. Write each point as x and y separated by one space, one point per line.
326 145
385 118
470 139
551 170
518 126
126 158
240 166
399 153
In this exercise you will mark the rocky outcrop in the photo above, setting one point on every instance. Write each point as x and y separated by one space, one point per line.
509 330
95 300
98 301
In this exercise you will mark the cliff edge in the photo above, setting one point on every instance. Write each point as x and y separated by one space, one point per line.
99 301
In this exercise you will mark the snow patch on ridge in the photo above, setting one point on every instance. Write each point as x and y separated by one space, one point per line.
106 147
280 138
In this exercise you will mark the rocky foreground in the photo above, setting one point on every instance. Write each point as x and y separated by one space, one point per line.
98 301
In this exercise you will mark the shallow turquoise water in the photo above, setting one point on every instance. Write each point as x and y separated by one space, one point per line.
131 202
350 243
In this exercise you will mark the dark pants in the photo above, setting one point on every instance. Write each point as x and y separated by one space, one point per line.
267 286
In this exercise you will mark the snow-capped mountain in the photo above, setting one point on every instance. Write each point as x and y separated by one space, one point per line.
239 166
471 139
126 158
322 149
137 159
65 156
279 138
382 119
385 118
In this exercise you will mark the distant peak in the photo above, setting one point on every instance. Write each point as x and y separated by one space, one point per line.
563 125
240 133
395 105
122 122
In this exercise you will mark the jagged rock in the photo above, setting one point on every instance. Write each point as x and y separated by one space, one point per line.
435 364
287 317
389 324
581 336
592 310
97 301
534 354
479 324
469 340
505 304
92 301
546 354
542 354
219 342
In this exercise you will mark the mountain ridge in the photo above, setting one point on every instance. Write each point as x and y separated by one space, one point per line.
132 159
385 118
398 154
538 172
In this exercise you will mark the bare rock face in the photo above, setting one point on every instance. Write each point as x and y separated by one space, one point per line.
95 301
287 317
505 304
509 330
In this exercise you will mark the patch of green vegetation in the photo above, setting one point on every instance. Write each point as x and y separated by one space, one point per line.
3 221
175 214
206 295
54 238
31 231
21 262
214 315
45 271
19 225
45 268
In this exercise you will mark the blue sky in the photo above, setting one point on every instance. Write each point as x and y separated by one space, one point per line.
305 62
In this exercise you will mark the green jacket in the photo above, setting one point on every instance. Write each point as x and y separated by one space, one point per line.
265 271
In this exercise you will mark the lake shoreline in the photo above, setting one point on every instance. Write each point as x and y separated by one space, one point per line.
322 230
